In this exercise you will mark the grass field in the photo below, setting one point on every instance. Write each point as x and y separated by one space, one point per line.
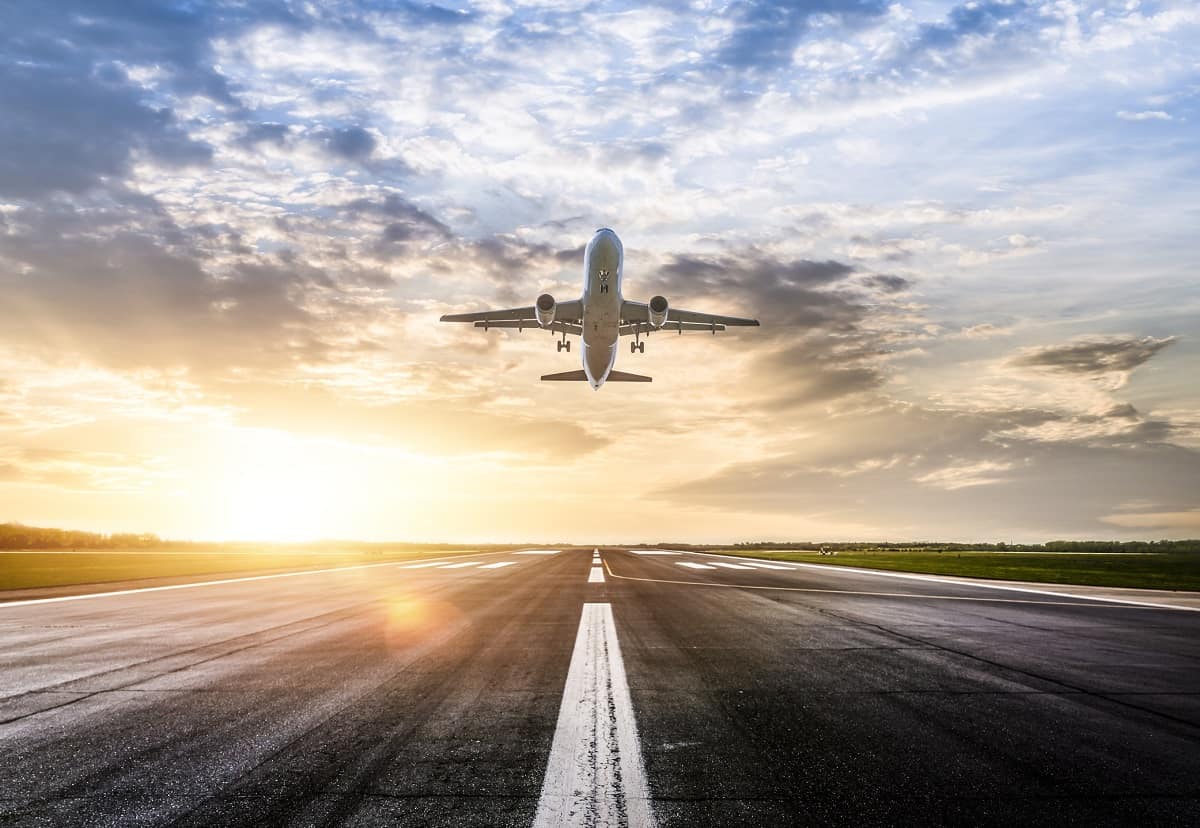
25 570
1148 571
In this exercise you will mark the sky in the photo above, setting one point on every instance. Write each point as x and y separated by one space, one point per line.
227 232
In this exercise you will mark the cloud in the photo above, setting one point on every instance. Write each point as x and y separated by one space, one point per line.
892 465
766 32
351 143
887 283
1186 521
1148 115
1094 356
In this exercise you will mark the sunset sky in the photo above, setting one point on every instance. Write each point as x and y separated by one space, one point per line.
971 233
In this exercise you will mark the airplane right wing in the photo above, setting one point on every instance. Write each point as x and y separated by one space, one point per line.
637 315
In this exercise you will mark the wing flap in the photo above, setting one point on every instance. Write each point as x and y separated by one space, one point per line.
525 324
644 327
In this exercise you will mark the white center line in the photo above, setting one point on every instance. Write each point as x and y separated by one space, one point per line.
694 565
459 565
595 774
733 566
596 576
498 564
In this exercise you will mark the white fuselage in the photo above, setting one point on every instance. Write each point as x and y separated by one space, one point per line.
602 262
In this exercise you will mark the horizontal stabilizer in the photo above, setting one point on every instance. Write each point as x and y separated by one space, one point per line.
566 376
621 376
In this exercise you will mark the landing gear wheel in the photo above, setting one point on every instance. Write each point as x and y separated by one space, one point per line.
637 347
563 346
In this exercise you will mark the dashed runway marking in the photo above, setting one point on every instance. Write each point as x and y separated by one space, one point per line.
596 576
498 564
694 565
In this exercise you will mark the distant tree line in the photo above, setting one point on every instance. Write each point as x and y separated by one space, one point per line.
1175 546
18 536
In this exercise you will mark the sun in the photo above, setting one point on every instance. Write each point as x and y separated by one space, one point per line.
277 487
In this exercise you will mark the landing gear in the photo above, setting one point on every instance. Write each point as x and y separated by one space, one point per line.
563 344
637 347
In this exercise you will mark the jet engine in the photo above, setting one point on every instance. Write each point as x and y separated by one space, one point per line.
658 311
544 310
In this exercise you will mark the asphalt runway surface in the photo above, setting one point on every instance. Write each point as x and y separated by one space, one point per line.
647 689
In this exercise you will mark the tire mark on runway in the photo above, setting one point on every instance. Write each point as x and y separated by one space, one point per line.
1070 689
226 647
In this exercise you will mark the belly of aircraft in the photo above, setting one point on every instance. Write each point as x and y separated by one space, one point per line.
601 320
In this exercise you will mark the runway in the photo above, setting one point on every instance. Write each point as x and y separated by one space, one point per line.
642 689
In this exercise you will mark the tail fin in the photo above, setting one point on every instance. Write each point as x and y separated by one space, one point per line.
566 376
621 376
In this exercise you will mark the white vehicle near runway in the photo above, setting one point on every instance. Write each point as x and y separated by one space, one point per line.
600 316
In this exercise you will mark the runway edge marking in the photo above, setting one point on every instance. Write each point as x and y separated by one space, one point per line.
193 584
1110 603
594 775
969 582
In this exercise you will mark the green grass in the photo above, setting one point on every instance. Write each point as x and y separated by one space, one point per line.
1149 571
26 570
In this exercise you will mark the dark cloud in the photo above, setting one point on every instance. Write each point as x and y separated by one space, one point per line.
72 117
767 32
887 283
351 143
973 20
65 132
81 283
1094 355
781 292
265 133
896 466
403 219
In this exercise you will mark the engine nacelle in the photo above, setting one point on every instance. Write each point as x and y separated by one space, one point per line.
544 309
657 311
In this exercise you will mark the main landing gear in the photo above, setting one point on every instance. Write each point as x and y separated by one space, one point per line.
563 344
637 347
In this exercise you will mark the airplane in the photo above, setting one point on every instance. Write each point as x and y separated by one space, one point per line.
600 316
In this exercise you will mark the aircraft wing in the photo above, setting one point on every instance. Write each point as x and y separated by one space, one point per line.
564 312
635 312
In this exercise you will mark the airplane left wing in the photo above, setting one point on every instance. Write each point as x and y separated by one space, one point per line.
566 313
493 315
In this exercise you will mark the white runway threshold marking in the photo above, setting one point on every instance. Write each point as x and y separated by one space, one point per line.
595 774
596 576
694 565
538 552
499 564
